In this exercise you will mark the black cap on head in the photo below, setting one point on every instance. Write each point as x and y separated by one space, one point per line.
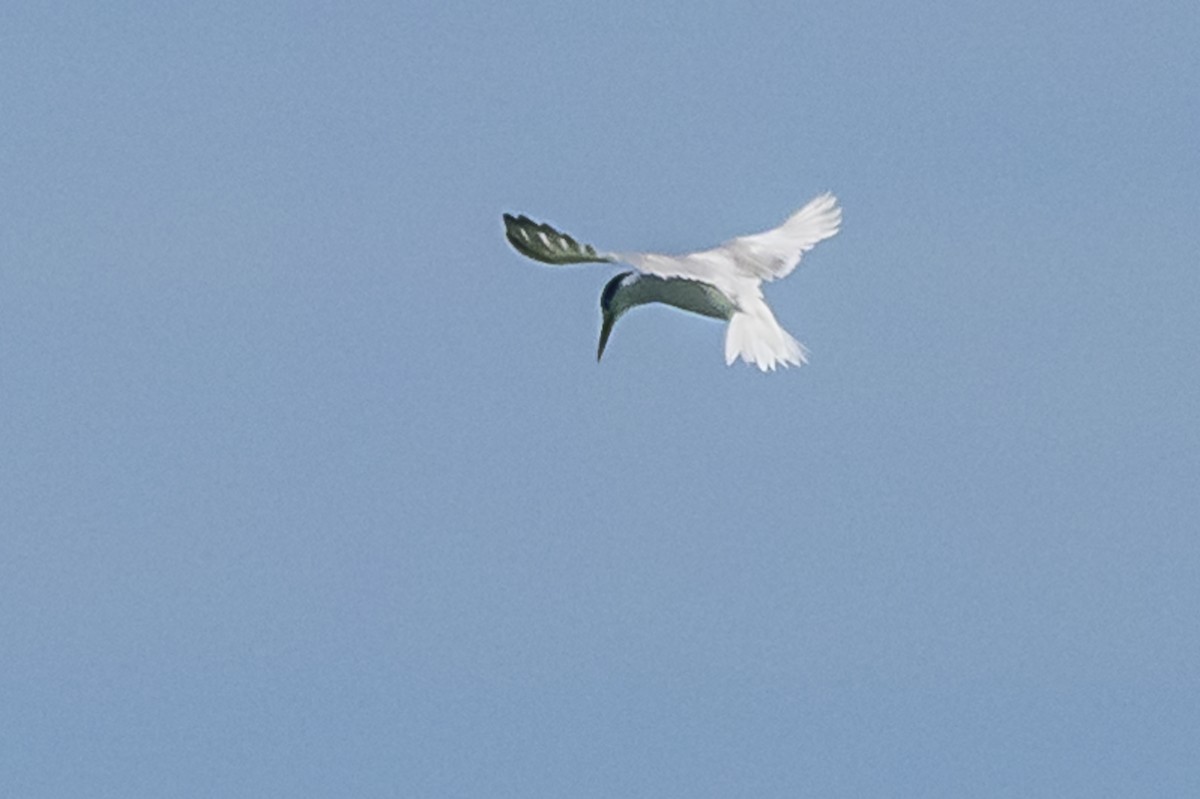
610 289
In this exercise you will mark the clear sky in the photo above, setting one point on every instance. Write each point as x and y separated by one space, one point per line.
311 486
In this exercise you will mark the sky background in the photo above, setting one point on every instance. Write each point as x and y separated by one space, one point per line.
311 486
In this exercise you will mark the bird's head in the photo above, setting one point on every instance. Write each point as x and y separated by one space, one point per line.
611 308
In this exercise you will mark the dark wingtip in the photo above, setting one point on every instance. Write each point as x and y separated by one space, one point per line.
542 242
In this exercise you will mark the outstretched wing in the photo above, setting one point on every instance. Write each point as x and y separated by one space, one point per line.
774 253
736 267
541 242
544 243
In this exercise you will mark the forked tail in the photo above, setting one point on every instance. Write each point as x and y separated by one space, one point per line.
754 335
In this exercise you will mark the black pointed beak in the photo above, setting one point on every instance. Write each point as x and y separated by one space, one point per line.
606 326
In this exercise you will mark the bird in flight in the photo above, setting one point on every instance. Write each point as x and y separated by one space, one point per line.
723 283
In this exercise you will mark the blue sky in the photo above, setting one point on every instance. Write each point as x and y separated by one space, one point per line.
311 486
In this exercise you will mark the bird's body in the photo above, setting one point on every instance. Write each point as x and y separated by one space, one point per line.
723 283
688 295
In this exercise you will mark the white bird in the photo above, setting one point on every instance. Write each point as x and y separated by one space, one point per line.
723 283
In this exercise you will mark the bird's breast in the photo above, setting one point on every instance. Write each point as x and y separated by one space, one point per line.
688 295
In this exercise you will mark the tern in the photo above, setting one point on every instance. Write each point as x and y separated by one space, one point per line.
723 283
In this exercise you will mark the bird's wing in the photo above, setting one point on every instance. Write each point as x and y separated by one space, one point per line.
774 253
543 243
735 267
707 267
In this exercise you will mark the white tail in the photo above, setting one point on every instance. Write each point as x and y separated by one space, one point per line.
755 335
